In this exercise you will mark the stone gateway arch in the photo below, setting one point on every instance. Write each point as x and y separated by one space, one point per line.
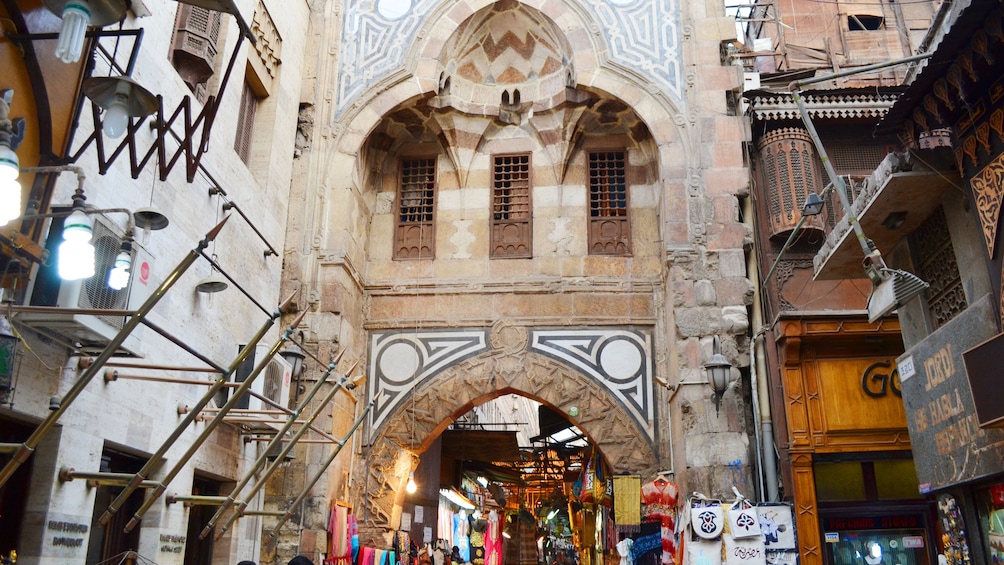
511 361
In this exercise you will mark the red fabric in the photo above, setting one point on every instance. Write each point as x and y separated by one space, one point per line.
659 500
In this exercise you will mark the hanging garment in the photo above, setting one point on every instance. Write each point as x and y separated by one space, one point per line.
460 539
659 498
493 539
624 550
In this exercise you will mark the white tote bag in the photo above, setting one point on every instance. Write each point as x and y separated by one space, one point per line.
745 551
703 552
706 518
743 520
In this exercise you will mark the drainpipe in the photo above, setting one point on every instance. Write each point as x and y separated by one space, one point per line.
762 422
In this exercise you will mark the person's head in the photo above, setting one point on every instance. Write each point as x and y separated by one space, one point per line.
300 560
247 563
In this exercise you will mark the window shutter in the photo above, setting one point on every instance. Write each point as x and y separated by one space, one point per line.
512 213
245 123
195 43
609 212
416 234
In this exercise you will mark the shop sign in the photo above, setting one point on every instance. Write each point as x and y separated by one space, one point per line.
874 523
913 542
67 534
949 447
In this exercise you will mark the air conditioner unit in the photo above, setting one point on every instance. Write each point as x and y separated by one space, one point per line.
273 383
90 334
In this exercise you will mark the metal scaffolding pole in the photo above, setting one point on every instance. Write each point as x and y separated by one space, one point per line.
28 447
320 473
275 442
211 426
156 458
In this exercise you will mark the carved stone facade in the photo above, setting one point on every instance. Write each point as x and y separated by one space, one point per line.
460 84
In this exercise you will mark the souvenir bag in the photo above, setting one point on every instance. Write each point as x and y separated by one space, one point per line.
744 551
743 520
706 517
703 552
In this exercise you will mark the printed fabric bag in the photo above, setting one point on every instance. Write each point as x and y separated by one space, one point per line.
702 552
743 520
745 551
706 517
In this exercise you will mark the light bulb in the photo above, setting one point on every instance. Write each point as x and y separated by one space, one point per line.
116 117
118 277
10 200
411 487
76 254
9 166
76 18
76 260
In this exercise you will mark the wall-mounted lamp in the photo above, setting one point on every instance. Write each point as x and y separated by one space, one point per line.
213 283
294 356
76 253
122 98
11 133
719 372
813 205
77 16
118 277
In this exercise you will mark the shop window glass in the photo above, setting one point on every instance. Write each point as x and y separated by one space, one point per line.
839 481
896 479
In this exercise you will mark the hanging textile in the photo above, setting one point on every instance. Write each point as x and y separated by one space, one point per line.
649 542
339 537
460 539
659 498
627 504
493 539
445 524
353 533
367 556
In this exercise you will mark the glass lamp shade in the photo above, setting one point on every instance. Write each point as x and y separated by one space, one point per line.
719 372
116 117
118 277
76 17
76 254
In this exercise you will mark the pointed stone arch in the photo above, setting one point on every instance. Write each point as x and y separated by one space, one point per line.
437 402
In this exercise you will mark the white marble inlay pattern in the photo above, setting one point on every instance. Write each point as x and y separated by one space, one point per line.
619 359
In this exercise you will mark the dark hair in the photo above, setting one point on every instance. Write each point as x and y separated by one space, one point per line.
247 563
300 560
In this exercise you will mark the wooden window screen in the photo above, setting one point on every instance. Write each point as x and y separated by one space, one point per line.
609 219
512 225
415 238
245 123
946 298
195 46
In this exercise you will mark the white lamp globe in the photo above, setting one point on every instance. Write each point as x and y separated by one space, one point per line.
116 118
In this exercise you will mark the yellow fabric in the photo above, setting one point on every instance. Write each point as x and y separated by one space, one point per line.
627 500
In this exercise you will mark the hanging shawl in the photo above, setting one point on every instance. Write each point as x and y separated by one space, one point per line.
627 504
